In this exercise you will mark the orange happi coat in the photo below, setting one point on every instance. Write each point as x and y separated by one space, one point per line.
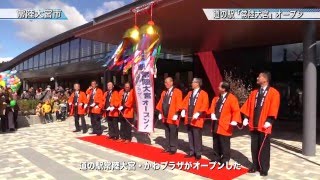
201 106
114 102
269 109
128 111
230 112
98 100
174 107
82 100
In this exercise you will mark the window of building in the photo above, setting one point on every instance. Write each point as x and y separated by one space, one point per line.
85 50
49 58
111 47
42 60
20 67
30 63
65 53
36 61
74 50
25 65
98 49
56 56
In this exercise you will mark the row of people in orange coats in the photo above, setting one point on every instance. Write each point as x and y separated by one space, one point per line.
259 112
113 105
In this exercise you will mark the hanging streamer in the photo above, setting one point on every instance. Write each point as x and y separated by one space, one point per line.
139 50
116 61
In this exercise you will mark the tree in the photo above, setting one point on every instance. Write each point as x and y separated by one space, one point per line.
238 86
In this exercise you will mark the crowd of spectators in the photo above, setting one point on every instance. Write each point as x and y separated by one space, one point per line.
8 109
50 101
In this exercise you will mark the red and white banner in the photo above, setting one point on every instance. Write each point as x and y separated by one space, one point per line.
143 73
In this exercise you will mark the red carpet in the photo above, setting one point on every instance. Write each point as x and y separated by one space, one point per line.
154 154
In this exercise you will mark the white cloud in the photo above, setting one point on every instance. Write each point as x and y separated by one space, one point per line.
106 7
5 59
40 30
22 3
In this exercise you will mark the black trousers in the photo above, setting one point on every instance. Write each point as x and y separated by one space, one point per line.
260 150
58 115
113 127
83 122
15 118
125 128
195 140
171 133
63 115
4 123
221 148
96 123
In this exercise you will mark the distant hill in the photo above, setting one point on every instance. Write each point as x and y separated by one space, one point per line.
5 59
3 63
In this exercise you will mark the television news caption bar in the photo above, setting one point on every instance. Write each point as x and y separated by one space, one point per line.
260 14
34 14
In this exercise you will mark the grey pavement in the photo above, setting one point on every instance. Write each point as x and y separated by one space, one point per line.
53 151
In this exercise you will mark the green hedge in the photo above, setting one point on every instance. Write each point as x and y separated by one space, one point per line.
27 106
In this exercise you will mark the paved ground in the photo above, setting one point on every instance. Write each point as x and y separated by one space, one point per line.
52 151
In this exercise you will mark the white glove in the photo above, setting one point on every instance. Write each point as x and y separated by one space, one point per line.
175 117
70 104
120 108
75 104
111 108
96 107
196 115
80 104
213 117
85 106
108 109
93 104
245 122
160 116
233 123
183 113
266 125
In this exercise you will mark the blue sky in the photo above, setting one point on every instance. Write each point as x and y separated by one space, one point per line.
16 36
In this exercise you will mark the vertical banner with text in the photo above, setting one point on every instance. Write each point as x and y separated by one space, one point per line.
143 73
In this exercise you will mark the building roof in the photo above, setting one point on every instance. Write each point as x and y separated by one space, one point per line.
185 28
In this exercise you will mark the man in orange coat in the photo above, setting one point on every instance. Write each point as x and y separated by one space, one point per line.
225 113
111 104
260 110
126 112
194 108
78 103
169 107
95 103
